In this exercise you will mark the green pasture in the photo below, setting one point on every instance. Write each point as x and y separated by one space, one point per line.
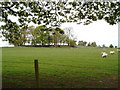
81 67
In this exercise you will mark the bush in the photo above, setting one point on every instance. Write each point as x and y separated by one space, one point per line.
111 46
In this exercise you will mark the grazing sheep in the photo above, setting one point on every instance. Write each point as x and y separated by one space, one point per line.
112 52
104 54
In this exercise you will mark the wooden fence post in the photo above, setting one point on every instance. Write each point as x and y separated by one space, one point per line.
36 73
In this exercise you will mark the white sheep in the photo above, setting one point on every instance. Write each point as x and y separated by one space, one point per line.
104 54
112 52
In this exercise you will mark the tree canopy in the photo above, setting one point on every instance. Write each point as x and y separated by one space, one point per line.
54 13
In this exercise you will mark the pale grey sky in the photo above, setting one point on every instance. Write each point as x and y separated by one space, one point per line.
99 31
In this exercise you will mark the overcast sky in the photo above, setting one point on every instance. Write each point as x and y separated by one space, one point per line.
100 32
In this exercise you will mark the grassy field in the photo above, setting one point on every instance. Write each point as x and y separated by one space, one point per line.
81 67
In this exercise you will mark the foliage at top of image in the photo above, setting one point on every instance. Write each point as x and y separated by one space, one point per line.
54 13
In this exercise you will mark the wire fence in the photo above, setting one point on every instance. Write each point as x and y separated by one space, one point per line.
59 65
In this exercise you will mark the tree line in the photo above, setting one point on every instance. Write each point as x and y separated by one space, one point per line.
84 43
93 44
40 36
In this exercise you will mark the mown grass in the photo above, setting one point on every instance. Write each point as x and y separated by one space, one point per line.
59 67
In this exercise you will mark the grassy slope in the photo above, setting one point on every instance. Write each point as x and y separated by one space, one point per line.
58 67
